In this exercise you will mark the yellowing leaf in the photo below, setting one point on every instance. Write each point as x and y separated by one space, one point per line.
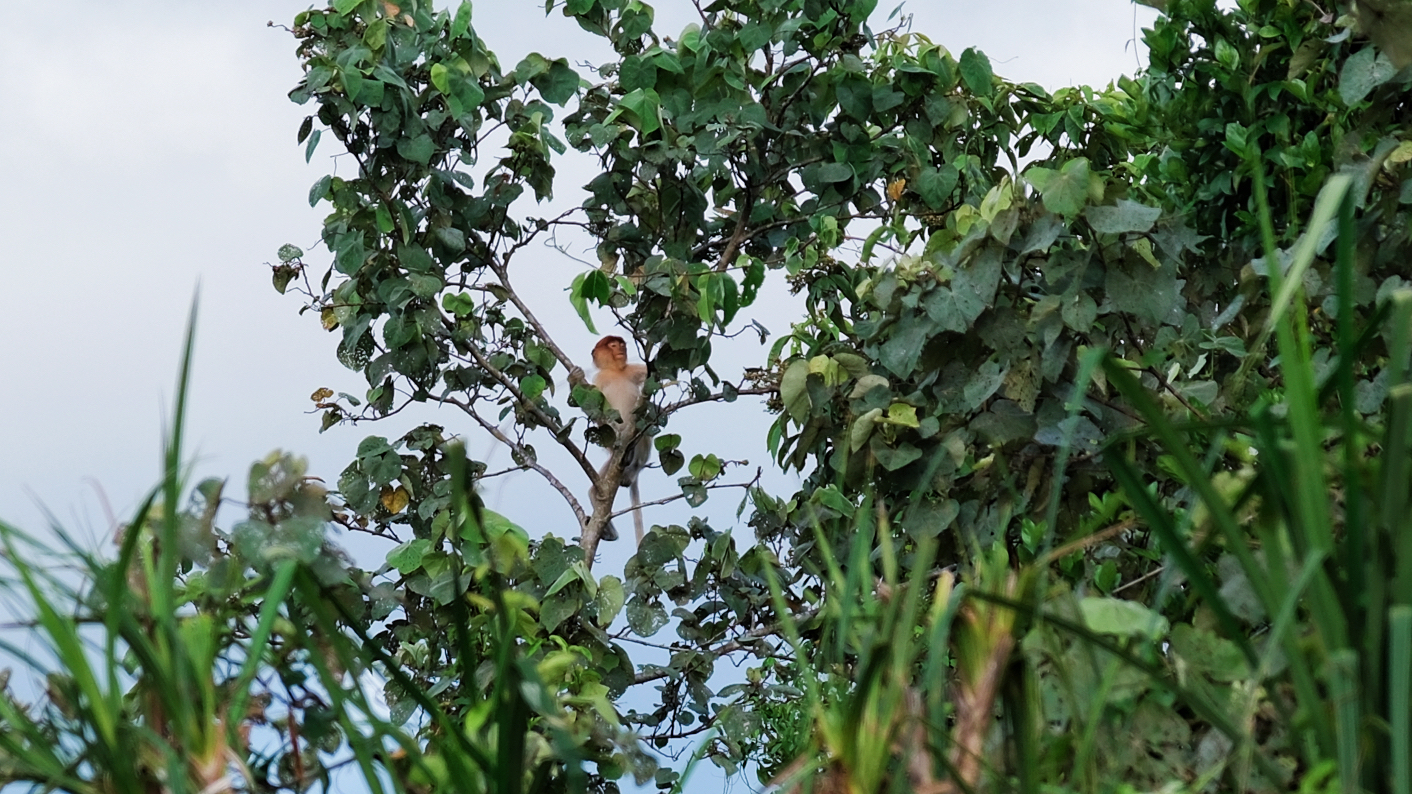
328 319
321 395
829 369
997 200
895 188
1143 248
395 499
902 414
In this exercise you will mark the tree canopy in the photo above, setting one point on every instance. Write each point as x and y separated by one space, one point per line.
1056 350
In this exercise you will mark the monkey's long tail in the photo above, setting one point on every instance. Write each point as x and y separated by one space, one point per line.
636 511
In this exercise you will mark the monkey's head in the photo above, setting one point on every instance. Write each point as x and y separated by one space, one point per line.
611 352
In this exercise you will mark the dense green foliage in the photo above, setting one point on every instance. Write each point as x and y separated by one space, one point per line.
1054 465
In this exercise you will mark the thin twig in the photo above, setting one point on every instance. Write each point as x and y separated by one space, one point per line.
1154 572
668 500
670 408
501 473
1089 540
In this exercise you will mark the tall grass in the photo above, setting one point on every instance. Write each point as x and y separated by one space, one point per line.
149 687
934 684
1329 552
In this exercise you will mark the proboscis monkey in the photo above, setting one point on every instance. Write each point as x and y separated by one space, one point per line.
621 384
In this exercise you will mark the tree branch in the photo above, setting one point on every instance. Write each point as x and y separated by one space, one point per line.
530 460
742 228
671 408
555 427
502 272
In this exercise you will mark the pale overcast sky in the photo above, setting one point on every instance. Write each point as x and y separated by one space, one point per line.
149 150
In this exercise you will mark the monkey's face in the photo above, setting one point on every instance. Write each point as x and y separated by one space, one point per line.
611 352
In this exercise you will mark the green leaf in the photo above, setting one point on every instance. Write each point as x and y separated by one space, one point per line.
866 384
645 618
557 608
704 467
462 22
450 236
637 72
441 78
862 429
424 286
375 36
579 301
793 391
893 459
559 84
1079 311
532 387
902 415
644 105
352 83
320 190
460 304
901 352
951 310
1126 216
415 259
928 518
1207 654
934 185
1361 73
282 275
570 575
497 525
408 557
976 72
1064 191
1152 295
312 144
983 384
672 461
978 279
1122 618
373 447
835 172
855 97
609 600
418 149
